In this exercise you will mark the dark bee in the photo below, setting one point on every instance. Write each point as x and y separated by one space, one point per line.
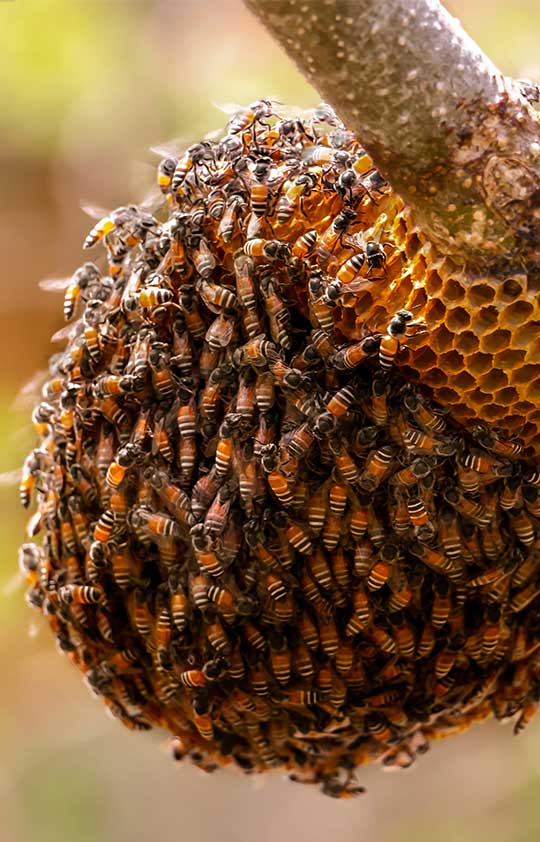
390 342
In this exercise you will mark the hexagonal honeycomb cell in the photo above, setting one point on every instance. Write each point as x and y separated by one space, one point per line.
486 327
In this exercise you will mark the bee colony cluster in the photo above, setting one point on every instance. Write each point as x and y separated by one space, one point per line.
258 532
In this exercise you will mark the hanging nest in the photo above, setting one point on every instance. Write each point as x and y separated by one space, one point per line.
281 476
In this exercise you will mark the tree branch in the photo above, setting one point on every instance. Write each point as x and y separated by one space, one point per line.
453 136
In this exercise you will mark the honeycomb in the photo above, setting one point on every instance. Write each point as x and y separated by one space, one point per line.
284 474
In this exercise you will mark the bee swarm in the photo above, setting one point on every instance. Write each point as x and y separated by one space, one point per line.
259 533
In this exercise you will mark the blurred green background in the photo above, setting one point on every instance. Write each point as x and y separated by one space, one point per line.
87 87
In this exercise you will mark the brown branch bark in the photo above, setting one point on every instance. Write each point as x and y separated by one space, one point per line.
453 136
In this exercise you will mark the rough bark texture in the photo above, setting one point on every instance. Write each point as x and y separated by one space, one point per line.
453 136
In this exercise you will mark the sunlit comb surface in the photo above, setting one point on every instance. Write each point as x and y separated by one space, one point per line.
281 485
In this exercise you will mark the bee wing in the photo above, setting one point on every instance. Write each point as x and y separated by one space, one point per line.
132 284
10 477
170 418
30 393
213 135
221 330
172 148
94 211
324 113
12 585
230 108
33 629
397 580
142 174
153 199
361 284
293 112
157 429
54 284
67 331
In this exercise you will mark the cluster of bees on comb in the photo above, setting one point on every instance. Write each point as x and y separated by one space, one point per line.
260 532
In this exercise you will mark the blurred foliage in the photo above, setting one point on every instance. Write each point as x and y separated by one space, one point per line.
119 63
63 58
56 54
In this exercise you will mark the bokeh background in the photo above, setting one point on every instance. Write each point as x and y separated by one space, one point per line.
87 87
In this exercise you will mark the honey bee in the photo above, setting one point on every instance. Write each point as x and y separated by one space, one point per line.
379 575
182 356
165 172
302 698
390 342
324 295
305 244
217 298
80 594
300 441
154 523
319 569
352 355
42 417
179 607
216 516
277 312
331 531
256 352
523 525
362 613
270 249
224 447
382 640
117 469
524 597
193 319
302 187
484 463
220 332
276 479
426 642
195 156
493 442
437 561
229 218
378 464
317 509
299 538
151 296
33 466
375 256
442 604
333 235
420 518
350 270
245 397
259 191
75 286
245 286
249 116
116 219
174 498
210 398
471 509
